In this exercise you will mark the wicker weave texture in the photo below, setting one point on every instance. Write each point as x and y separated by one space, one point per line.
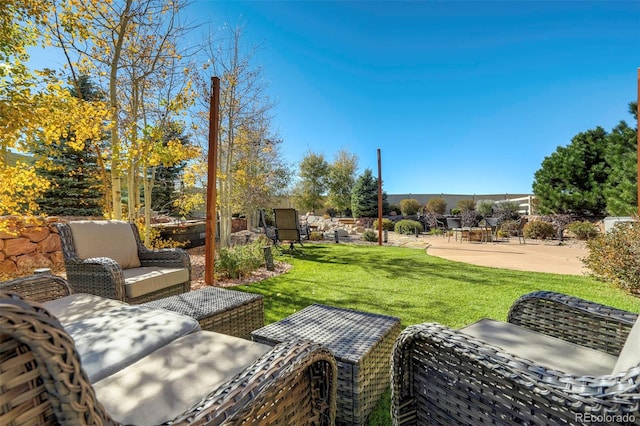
441 376
43 382
362 344
575 320
39 288
102 276
231 312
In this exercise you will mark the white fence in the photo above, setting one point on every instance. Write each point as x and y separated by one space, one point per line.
526 205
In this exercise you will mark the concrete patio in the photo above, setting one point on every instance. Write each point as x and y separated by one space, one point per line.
535 255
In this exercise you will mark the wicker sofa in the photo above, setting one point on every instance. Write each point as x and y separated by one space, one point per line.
558 360
199 377
107 258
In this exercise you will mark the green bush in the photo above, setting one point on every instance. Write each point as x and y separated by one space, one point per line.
583 230
465 205
615 256
387 224
409 206
371 236
539 230
241 260
407 227
485 207
436 205
456 211
506 210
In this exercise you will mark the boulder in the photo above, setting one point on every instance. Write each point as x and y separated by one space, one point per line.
19 246
56 257
31 261
36 233
8 267
50 244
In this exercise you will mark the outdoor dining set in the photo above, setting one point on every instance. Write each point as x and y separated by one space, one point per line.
124 340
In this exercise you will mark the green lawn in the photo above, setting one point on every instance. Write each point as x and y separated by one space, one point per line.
414 286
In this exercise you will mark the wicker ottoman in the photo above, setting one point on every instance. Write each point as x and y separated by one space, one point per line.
360 341
217 309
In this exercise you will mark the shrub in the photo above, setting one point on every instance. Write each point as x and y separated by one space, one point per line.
465 205
539 229
316 236
507 210
436 205
370 236
485 207
239 261
387 224
456 212
409 206
583 230
407 227
615 256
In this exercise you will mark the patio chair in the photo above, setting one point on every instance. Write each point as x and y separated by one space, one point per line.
454 226
491 227
107 258
558 360
517 228
288 228
44 381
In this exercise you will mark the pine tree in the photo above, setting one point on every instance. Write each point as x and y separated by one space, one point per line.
75 188
364 197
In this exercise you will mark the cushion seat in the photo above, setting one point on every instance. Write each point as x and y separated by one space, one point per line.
120 336
147 279
167 382
543 350
79 306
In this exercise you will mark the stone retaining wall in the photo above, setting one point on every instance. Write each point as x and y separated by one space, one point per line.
29 243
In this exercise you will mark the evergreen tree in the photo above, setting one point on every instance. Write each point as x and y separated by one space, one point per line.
621 190
164 193
572 179
364 196
75 188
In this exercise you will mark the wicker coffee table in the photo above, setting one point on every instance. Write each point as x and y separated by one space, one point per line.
360 341
217 309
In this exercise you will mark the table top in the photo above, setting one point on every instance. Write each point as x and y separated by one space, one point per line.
349 334
202 303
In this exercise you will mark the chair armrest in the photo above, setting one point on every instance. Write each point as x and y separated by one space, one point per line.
39 288
173 258
48 384
441 373
100 276
294 383
575 320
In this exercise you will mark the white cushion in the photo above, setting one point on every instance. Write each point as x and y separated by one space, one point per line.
121 336
169 381
630 354
79 306
147 279
106 238
549 352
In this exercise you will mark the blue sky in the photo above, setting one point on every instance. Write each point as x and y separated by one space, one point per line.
461 97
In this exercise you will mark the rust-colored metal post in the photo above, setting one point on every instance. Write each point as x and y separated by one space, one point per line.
379 199
212 193
638 140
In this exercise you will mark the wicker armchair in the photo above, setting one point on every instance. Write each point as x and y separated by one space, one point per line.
104 276
445 376
44 382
